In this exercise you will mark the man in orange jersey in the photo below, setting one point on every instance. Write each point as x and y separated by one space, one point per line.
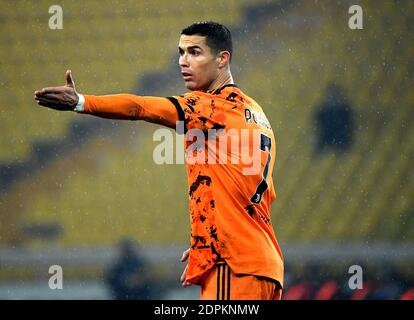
233 250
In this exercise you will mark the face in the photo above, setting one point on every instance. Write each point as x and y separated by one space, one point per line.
198 63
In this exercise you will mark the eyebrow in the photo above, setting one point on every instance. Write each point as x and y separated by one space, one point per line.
190 47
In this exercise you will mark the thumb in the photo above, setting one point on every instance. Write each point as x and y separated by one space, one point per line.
69 79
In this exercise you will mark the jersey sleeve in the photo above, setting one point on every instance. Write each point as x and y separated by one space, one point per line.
198 111
158 110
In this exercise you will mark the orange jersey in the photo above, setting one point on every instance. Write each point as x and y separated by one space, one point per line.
229 209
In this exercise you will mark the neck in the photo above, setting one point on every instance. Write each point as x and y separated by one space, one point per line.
223 79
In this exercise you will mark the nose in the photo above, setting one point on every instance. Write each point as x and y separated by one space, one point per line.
182 61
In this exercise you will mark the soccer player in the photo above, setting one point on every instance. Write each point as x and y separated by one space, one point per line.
233 250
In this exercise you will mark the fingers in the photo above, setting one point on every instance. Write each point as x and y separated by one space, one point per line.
49 97
182 278
60 89
44 103
185 283
185 255
59 98
47 101
184 258
49 90
69 79
52 103
38 93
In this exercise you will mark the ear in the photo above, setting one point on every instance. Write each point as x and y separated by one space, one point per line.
223 59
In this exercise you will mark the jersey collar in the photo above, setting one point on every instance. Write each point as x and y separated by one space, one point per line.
218 91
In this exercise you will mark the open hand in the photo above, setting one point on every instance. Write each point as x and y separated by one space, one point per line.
59 98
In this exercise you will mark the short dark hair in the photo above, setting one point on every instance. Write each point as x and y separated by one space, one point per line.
218 37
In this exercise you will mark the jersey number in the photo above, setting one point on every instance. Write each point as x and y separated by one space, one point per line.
265 143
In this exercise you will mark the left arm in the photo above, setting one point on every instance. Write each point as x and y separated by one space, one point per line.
118 106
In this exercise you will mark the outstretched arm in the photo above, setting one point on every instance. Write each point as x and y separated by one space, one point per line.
131 107
118 106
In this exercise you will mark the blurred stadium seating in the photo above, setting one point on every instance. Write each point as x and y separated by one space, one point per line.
108 45
100 40
109 187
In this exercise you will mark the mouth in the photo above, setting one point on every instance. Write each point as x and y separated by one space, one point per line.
187 76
